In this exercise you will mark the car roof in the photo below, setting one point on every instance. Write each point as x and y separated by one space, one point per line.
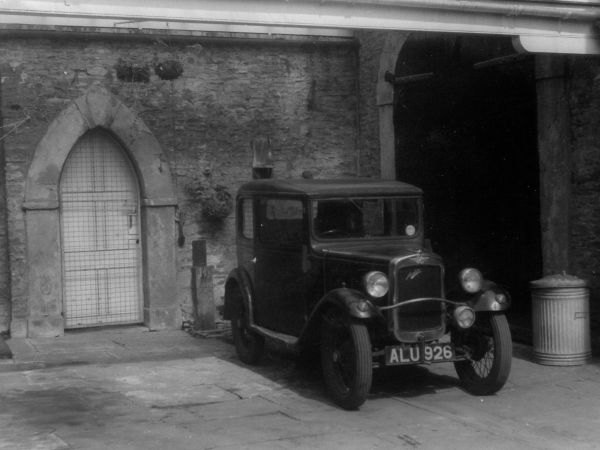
327 188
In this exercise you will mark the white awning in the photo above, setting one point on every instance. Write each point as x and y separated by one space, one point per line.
565 26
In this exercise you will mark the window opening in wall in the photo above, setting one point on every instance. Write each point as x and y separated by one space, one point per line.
99 206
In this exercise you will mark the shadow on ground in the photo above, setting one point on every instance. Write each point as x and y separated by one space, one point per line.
302 374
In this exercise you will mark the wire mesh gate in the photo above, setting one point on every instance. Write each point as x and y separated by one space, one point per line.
100 235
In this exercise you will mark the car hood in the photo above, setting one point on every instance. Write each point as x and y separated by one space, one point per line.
379 251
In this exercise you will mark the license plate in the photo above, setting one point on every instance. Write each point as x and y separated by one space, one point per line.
418 354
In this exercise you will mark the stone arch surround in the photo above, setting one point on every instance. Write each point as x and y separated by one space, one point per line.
97 108
393 43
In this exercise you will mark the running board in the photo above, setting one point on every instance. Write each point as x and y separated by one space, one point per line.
281 337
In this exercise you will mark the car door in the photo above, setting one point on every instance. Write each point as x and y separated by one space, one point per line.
281 244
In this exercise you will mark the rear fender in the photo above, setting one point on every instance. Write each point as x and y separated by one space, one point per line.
232 305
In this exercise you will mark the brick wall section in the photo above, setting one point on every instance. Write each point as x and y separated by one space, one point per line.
303 97
584 89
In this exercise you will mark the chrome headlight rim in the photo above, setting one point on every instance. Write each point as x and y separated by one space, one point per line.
376 284
471 280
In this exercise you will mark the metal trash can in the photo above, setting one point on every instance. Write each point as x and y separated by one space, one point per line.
561 320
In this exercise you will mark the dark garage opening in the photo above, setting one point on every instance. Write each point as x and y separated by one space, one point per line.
465 123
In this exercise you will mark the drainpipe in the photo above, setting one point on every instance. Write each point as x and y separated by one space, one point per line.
583 14
5 290
564 11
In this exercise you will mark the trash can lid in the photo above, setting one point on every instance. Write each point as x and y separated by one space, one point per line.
558 280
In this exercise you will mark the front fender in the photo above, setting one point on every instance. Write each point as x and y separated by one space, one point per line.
488 299
350 301
347 301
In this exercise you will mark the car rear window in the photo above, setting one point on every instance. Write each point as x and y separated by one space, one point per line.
281 221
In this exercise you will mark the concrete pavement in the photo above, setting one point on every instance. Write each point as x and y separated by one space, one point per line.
130 388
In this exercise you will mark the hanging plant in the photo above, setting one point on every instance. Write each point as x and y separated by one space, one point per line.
218 204
132 72
168 70
214 202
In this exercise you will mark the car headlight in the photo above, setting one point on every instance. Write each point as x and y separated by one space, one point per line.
471 280
464 316
376 284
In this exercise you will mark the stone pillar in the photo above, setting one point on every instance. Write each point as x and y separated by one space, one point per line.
161 309
45 272
554 145
202 288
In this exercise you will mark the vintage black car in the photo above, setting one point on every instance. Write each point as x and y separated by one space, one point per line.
343 266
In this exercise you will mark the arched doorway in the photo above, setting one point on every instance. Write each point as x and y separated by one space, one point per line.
465 127
99 211
98 110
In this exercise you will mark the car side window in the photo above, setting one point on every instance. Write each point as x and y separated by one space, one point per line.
281 221
247 216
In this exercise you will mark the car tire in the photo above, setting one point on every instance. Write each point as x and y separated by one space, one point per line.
490 344
249 345
346 361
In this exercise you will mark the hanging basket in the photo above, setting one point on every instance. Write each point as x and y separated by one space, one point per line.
132 72
218 204
168 70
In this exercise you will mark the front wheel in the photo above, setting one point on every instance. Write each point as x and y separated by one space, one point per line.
488 345
346 361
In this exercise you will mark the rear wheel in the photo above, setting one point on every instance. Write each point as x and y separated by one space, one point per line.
346 361
489 347
249 346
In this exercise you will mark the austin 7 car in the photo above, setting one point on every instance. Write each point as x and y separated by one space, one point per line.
343 267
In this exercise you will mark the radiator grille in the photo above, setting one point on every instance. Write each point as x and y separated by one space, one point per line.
417 282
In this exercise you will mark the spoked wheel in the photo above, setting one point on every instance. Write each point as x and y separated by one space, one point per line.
489 347
346 361
249 346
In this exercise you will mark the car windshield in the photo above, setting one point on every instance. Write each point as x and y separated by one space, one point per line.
365 217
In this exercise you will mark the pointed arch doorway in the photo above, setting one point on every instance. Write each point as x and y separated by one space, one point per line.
98 110
99 206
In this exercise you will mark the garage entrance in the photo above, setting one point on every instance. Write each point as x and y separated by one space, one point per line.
99 205
465 125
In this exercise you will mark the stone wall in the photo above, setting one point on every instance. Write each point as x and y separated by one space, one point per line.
302 96
316 103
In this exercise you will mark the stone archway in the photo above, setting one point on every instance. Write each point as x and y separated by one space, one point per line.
97 108
465 132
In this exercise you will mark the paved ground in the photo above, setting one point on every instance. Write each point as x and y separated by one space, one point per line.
133 389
